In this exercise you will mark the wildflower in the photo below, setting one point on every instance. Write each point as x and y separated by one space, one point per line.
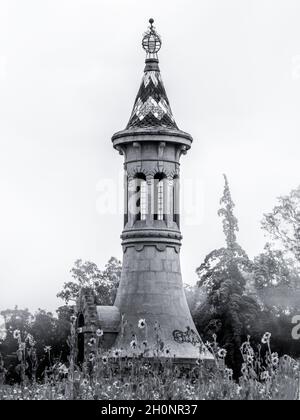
133 344
266 338
177 371
63 369
244 369
85 382
142 324
105 360
141 385
22 346
29 338
146 366
3 331
222 353
80 330
229 373
250 359
47 349
99 333
275 359
91 357
92 340
73 318
116 384
265 376
17 334
117 353
238 390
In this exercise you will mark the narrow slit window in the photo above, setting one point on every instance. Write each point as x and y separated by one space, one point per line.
176 203
144 200
160 197
160 200
140 198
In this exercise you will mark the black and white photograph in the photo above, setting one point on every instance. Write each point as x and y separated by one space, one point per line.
150 203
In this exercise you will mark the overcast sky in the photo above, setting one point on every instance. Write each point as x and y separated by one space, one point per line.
69 73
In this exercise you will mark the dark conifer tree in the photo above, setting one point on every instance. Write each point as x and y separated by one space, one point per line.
228 311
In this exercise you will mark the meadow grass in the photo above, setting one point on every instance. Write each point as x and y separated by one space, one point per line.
107 376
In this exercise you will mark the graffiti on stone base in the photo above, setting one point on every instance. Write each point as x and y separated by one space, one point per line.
188 336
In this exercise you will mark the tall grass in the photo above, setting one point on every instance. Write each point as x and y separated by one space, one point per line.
111 376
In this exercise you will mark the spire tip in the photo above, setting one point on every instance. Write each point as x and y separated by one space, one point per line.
151 42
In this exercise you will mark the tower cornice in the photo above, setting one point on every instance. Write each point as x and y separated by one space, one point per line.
153 135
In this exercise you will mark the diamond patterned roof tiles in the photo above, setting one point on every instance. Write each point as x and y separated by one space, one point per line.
152 107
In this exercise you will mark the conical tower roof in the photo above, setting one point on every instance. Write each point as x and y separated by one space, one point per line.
151 107
152 114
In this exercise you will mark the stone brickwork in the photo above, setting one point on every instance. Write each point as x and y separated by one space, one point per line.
87 322
151 288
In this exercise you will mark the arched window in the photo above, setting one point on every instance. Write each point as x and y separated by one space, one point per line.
160 196
141 197
176 201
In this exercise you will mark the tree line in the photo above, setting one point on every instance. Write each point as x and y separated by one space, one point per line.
235 297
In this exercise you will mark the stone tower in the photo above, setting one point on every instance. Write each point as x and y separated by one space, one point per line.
151 287
150 314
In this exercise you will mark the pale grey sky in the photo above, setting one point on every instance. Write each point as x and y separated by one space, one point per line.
69 73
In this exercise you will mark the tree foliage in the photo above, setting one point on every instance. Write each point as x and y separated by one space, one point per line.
228 311
49 331
272 269
277 274
283 224
88 275
45 329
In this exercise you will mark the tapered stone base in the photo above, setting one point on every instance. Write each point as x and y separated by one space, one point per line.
151 289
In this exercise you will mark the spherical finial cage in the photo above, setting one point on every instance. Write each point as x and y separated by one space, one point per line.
151 42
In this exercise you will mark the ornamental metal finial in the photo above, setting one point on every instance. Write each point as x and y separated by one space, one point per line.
151 42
